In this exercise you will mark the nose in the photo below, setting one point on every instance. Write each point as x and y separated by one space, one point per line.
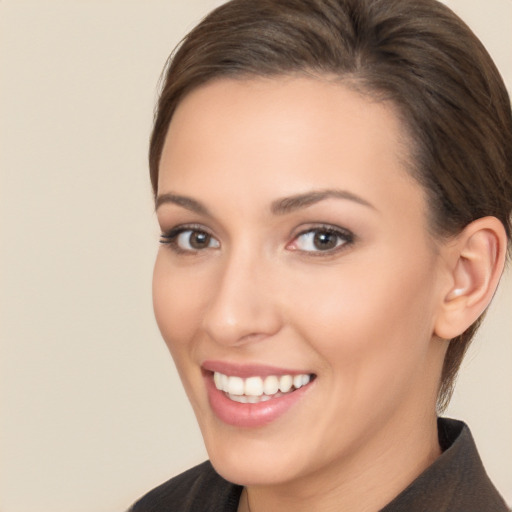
243 308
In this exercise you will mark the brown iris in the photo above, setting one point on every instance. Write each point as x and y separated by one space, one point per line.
323 240
199 240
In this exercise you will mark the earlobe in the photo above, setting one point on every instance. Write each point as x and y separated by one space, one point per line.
476 263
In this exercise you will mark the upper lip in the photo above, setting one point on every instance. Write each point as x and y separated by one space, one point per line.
248 370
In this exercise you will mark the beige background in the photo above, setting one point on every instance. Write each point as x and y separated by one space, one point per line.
92 412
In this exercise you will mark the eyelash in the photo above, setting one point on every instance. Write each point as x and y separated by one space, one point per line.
344 238
170 238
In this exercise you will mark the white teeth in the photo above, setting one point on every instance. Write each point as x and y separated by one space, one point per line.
244 399
239 398
224 382
301 380
217 378
285 383
257 389
271 385
235 386
297 381
253 386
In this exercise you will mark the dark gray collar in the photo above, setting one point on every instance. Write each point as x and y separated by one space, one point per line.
455 482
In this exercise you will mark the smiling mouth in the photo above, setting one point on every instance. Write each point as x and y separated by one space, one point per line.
259 389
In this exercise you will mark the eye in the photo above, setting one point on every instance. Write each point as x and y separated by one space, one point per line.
189 239
323 239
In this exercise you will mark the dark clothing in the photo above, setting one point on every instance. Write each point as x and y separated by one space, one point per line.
455 482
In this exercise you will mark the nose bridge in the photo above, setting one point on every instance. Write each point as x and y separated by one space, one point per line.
242 307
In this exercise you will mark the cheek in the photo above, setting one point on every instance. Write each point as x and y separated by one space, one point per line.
177 304
366 316
373 341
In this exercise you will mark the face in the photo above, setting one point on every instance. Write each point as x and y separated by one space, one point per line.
297 274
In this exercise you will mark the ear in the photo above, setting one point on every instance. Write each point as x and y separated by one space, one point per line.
475 264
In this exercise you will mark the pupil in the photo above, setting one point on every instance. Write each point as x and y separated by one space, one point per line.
199 240
325 241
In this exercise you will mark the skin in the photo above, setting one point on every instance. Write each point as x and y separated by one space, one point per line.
361 317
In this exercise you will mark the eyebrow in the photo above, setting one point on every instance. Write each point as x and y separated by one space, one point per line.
299 201
278 207
185 202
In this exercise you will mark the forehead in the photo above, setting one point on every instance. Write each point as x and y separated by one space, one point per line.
284 135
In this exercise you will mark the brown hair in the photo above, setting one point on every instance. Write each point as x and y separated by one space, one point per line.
416 53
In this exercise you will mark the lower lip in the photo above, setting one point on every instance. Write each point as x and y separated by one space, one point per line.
250 415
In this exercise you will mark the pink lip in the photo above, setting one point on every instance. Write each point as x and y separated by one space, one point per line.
247 370
249 415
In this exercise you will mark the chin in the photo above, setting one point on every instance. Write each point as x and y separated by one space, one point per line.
246 469
259 457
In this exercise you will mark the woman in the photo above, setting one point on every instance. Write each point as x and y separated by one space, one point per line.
333 182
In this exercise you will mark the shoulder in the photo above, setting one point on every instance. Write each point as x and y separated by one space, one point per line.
200 489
